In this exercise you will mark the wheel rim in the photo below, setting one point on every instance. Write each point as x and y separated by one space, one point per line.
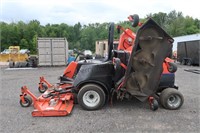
43 89
174 101
91 98
152 106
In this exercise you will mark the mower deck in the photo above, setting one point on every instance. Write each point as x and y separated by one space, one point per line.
57 105
63 107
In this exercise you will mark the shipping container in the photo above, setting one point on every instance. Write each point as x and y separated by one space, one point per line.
188 52
52 51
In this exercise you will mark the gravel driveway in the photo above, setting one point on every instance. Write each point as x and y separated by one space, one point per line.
125 116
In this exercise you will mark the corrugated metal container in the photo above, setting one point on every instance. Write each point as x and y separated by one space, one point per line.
52 51
185 38
189 50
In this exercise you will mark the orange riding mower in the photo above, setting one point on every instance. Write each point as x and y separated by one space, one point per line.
134 71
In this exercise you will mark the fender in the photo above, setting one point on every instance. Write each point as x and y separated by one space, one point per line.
105 87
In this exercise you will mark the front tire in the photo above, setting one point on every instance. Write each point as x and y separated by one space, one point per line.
91 97
27 101
171 99
43 89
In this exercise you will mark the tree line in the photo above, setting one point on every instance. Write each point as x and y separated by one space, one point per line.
84 36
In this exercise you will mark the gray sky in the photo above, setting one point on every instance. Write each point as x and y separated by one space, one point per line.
90 11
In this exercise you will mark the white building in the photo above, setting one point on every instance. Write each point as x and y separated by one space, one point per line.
102 47
192 37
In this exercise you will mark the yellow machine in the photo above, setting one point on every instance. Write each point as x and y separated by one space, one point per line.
18 57
13 54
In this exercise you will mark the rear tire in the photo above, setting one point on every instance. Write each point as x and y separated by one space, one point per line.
91 97
171 99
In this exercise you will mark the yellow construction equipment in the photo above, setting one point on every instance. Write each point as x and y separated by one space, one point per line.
13 54
18 57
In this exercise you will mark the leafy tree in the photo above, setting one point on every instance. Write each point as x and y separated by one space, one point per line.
23 43
161 18
84 36
189 26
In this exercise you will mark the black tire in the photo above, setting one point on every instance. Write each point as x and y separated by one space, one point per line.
11 64
189 62
172 67
136 20
17 64
43 89
24 64
35 62
91 97
183 62
20 64
28 101
154 105
171 99
30 62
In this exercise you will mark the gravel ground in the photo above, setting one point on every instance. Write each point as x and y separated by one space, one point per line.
125 116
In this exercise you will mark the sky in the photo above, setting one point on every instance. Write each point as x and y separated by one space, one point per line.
90 11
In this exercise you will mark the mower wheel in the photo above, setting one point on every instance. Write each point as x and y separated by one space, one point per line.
43 89
28 101
171 99
91 97
135 20
154 105
172 67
